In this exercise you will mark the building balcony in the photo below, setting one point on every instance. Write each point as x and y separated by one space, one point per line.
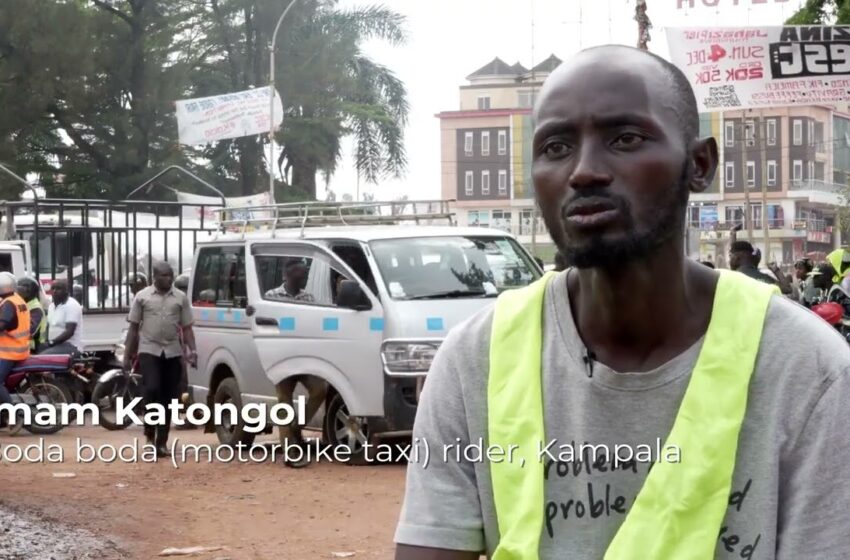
819 192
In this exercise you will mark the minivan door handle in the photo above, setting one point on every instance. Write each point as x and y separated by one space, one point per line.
250 310
265 322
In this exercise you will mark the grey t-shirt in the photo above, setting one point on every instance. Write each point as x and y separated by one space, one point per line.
790 495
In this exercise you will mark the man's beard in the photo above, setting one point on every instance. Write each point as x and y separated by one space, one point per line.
666 223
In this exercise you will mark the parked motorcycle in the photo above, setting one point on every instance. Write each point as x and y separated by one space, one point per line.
34 382
113 384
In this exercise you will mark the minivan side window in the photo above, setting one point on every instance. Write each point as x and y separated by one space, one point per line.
220 278
295 279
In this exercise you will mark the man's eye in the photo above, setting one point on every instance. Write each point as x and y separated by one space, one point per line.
556 149
628 140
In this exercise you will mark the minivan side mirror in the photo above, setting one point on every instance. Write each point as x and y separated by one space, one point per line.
351 296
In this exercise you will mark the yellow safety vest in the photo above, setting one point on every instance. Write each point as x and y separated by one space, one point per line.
32 305
15 344
679 510
836 259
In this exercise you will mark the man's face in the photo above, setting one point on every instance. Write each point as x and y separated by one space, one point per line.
800 272
60 292
25 291
610 169
163 278
296 277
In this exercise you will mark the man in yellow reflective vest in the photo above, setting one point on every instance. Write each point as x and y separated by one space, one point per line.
29 291
637 405
14 332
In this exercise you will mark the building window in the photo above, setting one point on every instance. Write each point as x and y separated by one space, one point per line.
730 174
755 209
771 132
797 174
798 132
693 217
503 182
502 220
469 183
734 215
485 143
503 142
811 133
527 98
751 174
484 103
771 173
819 143
485 182
749 130
478 218
467 143
730 134
811 171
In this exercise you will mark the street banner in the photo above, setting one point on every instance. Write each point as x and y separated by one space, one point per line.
212 203
233 115
751 67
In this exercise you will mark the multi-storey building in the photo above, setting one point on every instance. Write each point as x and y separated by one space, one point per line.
784 161
801 156
486 151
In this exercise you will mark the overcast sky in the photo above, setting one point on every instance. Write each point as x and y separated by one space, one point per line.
450 39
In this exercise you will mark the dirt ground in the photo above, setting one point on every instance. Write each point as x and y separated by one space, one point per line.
254 510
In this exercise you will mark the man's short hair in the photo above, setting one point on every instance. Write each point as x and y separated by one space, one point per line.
742 247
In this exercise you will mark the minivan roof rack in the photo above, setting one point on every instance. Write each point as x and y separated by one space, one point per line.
302 215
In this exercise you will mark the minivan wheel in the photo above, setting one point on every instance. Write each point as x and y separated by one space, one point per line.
343 430
231 434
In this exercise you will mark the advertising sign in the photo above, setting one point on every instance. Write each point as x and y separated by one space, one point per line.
233 115
751 67
211 204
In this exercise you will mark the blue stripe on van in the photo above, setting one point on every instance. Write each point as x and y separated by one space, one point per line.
222 315
205 315
286 323
376 324
434 323
237 316
330 324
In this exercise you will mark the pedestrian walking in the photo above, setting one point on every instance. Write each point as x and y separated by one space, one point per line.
161 336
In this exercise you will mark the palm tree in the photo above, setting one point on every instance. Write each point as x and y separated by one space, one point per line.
332 90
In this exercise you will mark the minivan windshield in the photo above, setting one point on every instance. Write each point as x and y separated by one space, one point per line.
452 267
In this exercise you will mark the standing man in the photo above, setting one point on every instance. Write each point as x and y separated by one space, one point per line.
14 333
65 322
634 346
745 259
160 315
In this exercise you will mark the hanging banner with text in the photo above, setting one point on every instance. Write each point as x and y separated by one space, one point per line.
233 115
747 67
211 204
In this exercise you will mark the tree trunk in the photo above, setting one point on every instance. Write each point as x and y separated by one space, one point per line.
303 179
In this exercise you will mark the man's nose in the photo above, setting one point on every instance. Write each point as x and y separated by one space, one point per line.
589 171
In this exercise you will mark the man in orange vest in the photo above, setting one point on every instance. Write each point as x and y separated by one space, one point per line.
624 344
14 332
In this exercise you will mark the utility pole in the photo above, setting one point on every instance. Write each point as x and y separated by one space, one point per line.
765 215
534 197
271 100
748 209
644 25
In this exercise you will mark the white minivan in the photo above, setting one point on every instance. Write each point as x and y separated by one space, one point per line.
382 298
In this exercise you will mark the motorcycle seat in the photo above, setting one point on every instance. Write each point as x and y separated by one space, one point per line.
57 362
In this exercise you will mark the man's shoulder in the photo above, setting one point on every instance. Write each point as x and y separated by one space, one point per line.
796 339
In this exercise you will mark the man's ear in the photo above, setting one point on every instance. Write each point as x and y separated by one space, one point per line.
704 157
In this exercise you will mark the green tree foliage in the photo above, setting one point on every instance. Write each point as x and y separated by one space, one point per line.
88 87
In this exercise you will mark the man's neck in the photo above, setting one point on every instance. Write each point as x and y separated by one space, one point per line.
639 316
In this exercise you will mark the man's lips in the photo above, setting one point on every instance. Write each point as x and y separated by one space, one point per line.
591 213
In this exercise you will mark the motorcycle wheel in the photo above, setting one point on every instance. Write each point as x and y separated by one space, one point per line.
104 397
53 393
